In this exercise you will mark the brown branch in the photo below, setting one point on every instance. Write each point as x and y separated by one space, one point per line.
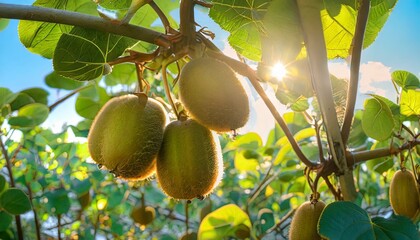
34 13
61 100
37 225
362 18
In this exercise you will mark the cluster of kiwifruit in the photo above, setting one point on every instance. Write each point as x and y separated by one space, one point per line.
129 136
404 194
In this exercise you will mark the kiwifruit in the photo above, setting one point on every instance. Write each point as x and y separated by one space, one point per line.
242 232
143 215
189 236
305 221
189 163
403 194
126 136
213 95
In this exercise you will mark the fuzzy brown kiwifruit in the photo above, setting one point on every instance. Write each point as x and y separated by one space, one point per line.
213 95
126 136
189 163
143 215
305 221
404 195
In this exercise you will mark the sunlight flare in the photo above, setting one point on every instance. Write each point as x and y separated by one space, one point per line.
278 71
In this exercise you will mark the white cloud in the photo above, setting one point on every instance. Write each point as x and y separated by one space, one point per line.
229 51
339 69
373 73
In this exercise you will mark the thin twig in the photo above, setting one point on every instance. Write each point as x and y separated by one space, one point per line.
163 18
52 15
54 105
362 17
37 225
258 189
282 220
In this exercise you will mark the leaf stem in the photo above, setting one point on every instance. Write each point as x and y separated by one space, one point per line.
58 102
34 13
362 18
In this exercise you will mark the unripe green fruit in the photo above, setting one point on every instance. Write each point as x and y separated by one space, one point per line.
305 221
213 95
189 236
190 161
126 135
143 215
404 195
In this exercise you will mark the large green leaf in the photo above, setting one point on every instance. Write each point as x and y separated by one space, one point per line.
58 201
223 222
90 101
6 96
410 102
377 120
244 21
282 37
15 201
394 228
4 185
381 164
122 74
357 135
82 54
345 221
21 100
30 115
339 22
42 37
39 95
3 23
54 80
5 220
405 79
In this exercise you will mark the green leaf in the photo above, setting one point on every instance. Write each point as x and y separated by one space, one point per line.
395 228
39 95
6 96
339 22
410 102
54 80
357 135
42 37
82 54
377 120
282 37
250 141
122 74
21 100
58 201
4 185
245 164
405 79
15 201
30 115
345 221
266 219
3 23
90 101
223 222
5 220
243 19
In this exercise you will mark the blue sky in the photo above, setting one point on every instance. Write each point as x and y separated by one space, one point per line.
396 48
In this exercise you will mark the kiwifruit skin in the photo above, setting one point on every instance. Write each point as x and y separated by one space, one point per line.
189 164
213 95
126 135
143 215
305 221
403 194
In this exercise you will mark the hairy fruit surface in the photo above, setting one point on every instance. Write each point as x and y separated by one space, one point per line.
143 215
403 194
213 95
305 221
190 161
126 136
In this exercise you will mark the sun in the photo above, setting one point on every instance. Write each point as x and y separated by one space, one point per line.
278 71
